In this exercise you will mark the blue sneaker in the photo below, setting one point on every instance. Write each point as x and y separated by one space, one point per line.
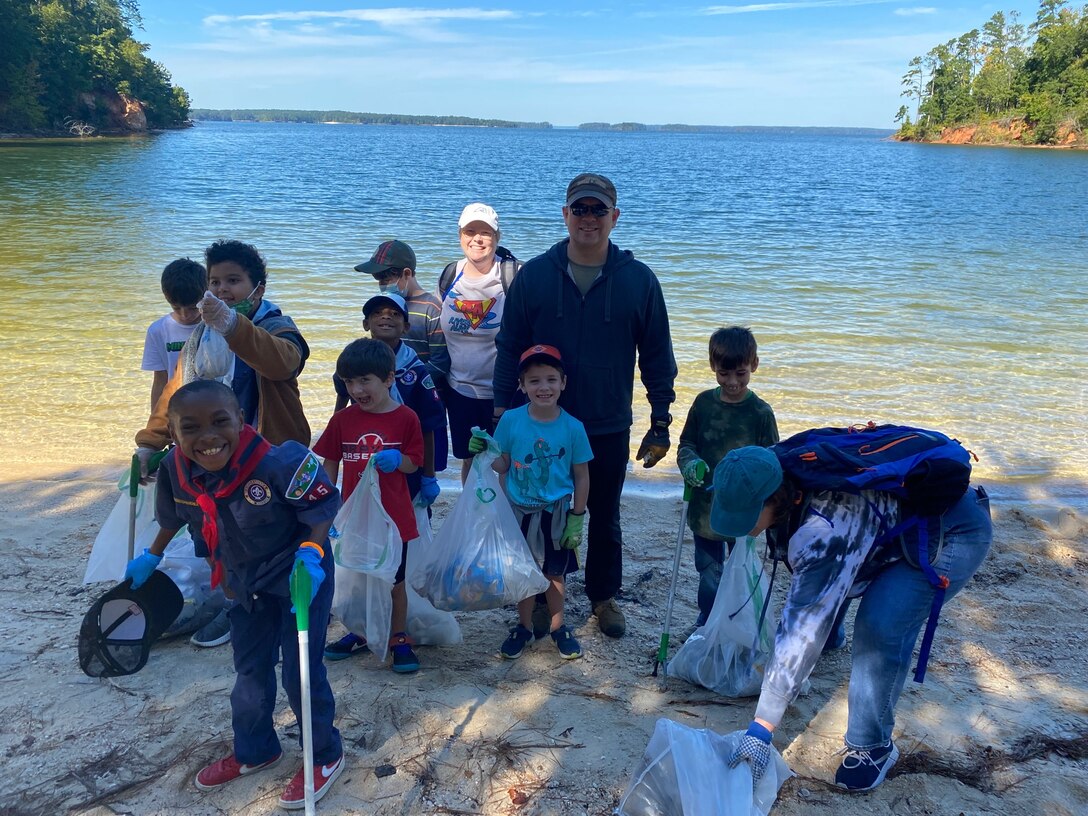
514 645
864 770
568 646
404 657
350 644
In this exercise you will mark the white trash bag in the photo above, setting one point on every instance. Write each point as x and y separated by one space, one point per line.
427 626
685 772
193 576
367 555
109 555
479 558
729 653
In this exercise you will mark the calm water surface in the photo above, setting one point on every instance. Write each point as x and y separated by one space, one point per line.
928 285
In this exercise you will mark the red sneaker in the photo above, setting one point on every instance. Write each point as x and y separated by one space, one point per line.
294 795
227 770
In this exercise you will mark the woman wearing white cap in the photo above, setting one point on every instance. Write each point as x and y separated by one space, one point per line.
473 291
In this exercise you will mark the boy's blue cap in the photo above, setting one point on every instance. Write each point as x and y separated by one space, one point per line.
378 301
743 480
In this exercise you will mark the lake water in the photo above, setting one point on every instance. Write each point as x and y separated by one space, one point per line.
920 284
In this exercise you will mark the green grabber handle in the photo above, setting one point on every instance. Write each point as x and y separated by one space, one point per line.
301 592
663 648
134 492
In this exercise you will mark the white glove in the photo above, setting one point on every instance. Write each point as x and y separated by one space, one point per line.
216 314
144 455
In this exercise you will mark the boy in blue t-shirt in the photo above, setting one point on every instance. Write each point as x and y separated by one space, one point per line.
545 456
255 510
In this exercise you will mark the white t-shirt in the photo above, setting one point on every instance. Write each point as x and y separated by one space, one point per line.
471 315
164 340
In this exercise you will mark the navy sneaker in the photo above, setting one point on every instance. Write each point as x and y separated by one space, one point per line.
404 657
514 645
864 770
566 643
350 644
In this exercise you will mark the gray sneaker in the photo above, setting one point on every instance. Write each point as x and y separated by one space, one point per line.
214 633
610 618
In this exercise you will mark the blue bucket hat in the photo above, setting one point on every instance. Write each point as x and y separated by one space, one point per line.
743 480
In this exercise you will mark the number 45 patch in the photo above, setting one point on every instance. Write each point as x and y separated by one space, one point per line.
306 483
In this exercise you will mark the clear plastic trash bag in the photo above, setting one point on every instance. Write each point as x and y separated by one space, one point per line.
206 356
685 772
367 555
109 555
730 652
479 558
427 626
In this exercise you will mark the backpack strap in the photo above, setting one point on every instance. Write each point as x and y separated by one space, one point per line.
508 267
445 280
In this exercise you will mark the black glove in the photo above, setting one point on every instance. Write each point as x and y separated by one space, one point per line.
656 443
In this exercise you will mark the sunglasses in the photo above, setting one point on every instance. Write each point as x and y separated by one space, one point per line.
597 210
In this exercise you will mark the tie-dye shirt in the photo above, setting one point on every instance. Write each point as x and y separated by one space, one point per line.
829 550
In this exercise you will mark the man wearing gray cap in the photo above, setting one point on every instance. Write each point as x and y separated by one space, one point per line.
600 307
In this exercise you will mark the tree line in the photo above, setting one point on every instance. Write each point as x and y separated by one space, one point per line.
66 61
1002 71
351 118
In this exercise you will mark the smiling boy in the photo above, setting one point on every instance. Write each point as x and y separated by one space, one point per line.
255 510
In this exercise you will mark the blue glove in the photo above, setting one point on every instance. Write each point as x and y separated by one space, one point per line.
388 460
428 491
311 561
139 569
755 747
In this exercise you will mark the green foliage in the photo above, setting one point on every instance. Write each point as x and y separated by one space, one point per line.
348 117
996 72
64 59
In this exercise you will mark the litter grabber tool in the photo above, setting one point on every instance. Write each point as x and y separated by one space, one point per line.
134 493
662 659
301 595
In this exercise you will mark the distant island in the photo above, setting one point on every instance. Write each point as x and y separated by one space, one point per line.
341 117
1008 84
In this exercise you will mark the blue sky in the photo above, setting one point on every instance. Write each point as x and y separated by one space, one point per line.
795 62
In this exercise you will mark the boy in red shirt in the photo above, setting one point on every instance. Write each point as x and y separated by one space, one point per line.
377 426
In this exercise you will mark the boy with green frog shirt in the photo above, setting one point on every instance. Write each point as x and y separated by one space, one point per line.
720 420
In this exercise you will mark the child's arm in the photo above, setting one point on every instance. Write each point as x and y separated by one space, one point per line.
332 469
270 355
581 487
158 383
501 465
407 465
428 454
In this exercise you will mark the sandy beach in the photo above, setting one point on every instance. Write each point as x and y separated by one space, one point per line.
1000 726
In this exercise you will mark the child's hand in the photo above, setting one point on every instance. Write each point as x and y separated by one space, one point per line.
481 441
694 472
310 558
216 314
428 491
387 460
572 533
139 569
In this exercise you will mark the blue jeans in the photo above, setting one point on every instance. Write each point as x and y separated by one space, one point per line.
709 559
892 611
258 637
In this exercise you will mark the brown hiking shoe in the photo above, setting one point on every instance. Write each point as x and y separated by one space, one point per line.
610 618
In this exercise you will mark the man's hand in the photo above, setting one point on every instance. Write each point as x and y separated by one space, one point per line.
310 558
755 749
428 491
572 533
387 460
694 472
139 569
216 314
656 443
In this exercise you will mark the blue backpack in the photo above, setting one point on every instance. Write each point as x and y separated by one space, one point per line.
927 470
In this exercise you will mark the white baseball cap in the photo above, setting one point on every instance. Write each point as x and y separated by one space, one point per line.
478 212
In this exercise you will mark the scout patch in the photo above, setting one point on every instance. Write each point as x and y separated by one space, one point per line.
257 492
304 477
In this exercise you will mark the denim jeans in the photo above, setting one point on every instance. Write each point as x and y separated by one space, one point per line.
709 559
892 611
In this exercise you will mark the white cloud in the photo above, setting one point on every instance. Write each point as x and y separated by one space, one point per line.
911 12
789 6
391 17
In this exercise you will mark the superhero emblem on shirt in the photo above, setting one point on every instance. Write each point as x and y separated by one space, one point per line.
257 492
475 312
304 479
